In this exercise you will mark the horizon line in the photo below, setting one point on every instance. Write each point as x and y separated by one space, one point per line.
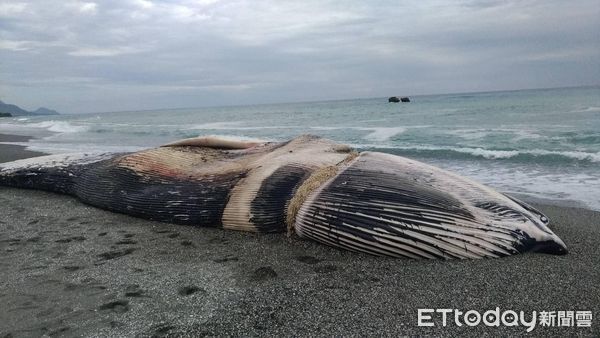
327 100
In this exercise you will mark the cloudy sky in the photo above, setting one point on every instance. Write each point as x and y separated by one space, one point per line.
112 55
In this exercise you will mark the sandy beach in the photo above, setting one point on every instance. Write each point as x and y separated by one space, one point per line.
11 152
69 269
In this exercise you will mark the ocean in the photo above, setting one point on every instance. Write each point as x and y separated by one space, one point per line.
542 143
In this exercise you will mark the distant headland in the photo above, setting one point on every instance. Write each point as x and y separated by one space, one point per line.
7 110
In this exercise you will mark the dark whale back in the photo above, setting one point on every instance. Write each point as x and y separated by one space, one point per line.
188 182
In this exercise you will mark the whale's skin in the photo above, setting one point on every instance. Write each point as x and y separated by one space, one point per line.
370 202
390 205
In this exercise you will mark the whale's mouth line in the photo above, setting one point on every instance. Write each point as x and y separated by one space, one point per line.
554 246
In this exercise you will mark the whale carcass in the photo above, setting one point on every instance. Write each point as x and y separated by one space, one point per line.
369 202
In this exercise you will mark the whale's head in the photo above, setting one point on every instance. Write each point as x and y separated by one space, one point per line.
542 238
390 205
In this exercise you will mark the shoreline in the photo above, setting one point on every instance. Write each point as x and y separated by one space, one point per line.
12 152
74 270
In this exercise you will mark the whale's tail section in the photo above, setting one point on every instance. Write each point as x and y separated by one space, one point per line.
55 173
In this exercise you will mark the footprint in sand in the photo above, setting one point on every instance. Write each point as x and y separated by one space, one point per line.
263 273
190 290
134 290
118 306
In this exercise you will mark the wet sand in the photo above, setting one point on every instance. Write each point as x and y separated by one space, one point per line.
11 152
69 269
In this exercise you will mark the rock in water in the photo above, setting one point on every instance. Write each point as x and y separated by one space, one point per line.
370 202
395 99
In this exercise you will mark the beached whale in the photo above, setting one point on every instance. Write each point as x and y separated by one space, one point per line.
369 202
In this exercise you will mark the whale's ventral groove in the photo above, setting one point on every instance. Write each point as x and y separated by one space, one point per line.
374 203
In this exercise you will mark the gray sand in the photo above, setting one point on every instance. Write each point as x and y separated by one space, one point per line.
70 269
11 152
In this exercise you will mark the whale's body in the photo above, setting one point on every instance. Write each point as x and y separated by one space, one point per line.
370 202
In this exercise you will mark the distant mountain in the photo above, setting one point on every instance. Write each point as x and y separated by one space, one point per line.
12 109
15 110
44 111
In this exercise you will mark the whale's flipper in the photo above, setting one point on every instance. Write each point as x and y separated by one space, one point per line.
389 205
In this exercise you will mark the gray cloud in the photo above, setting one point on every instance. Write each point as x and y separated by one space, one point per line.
86 56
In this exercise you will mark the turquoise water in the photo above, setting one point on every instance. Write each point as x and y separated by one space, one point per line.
543 143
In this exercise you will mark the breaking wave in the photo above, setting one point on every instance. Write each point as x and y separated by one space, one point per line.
489 154
58 126
383 133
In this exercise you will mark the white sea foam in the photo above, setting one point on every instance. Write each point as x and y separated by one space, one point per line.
485 153
469 134
503 154
578 155
383 133
524 134
582 187
492 154
376 133
58 126
591 109
480 133
480 152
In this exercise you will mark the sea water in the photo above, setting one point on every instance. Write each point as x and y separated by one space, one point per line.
542 143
